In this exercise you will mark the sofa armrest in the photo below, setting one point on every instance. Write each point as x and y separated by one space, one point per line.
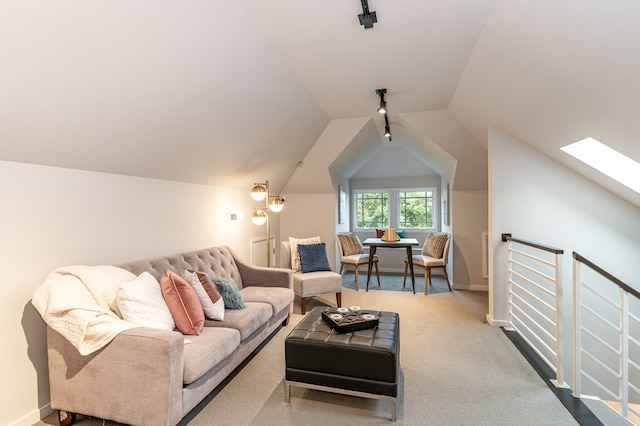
262 276
135 379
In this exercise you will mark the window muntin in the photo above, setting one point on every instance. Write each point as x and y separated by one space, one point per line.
372 209
415 209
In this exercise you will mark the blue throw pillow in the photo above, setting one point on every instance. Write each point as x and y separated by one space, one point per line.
229 292
400 233
313 257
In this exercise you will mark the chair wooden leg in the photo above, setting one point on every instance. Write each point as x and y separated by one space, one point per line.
446 277
303 305
356 277
427 279
66 418
339 299
404 278
377 273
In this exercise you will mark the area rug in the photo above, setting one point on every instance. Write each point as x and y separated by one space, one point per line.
393 282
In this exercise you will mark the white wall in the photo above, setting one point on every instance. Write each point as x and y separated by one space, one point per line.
470 216
53 217
537 199
310 215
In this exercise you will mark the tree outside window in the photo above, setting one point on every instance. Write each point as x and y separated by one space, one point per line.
416 209
372 209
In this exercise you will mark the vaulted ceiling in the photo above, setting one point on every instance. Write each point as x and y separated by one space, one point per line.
235 91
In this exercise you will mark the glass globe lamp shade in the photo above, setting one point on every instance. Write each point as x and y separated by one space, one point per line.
259 217
276 205
258 192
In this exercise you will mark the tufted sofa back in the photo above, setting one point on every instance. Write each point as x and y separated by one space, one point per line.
214 261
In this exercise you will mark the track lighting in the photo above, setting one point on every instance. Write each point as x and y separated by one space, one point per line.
366 18
382 109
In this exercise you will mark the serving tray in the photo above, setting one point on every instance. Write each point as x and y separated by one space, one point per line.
346 320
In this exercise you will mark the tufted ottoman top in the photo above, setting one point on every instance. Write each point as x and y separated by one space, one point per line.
315 349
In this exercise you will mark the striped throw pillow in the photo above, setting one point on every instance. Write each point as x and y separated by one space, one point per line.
350 244
435 244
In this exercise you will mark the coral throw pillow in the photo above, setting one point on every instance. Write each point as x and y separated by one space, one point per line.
183 302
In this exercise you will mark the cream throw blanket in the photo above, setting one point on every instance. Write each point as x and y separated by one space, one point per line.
79 302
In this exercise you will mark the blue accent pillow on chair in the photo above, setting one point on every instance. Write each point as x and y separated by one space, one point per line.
400 233
313 257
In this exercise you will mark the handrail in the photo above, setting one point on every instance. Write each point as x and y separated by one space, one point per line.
508 237
606 274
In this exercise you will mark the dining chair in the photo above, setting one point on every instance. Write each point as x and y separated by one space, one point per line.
435 254
352 254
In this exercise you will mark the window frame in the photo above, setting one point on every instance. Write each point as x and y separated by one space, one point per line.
394 206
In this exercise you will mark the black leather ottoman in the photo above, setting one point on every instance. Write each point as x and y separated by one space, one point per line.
362 363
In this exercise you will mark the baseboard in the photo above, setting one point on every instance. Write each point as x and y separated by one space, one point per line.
33 417
496 323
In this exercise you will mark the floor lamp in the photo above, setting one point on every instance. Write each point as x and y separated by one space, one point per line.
261 215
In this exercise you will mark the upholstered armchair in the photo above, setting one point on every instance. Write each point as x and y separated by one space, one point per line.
435 254
352 254
310 284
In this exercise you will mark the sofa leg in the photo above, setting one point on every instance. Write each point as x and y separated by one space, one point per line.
65 418
303 305
286 321
339 299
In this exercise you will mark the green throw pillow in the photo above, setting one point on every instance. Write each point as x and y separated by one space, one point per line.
229 292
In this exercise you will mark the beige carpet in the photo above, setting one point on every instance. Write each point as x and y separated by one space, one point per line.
455 370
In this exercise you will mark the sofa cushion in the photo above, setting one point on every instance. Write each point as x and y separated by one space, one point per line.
247 320
278 297
314 283
140 301
206 350
183 303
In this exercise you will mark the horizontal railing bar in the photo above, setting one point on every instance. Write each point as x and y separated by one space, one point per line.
536 350
613 372
508 237
532 257
615 350
597 383
606 274
530 269
541 314
533 283
539 327
594 291
602 319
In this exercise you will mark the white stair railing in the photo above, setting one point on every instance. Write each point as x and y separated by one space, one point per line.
606 339
535 300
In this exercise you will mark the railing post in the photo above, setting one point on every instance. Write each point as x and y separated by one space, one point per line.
624 380
577 344
509 285
559 381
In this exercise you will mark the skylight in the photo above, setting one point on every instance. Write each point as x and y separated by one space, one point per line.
606 160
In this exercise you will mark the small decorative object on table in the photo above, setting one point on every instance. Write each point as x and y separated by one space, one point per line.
390 235
346 320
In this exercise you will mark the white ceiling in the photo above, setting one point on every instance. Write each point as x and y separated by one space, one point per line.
235 91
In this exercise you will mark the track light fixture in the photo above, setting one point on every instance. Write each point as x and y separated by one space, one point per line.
367 19
382 109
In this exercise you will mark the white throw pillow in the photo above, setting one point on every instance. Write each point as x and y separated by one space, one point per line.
213 310
141 302
295 256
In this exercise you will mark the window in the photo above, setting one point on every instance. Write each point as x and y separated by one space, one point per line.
416 209
372 209
395 208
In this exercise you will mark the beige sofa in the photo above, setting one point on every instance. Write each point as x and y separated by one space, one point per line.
149 376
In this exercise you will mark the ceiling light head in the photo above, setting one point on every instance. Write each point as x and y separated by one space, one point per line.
387 132
366 18
382 109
